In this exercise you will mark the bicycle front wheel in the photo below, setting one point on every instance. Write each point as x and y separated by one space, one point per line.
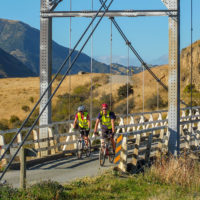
88 149
79 149
102 156
111 155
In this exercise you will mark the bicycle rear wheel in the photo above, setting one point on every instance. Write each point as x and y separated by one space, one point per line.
79 149
102 156
88 149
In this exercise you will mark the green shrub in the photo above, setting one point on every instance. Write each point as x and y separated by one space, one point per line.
96 79
25 108
151 103
31 99
14 119
59 77
4 124
122 108
65 108
190 87
122 91
105 98
82 92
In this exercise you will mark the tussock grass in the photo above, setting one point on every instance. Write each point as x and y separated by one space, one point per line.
183 171
168 179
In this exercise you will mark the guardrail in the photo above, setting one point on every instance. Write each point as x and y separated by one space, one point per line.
61 137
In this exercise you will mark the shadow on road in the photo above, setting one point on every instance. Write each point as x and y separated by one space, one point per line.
67 162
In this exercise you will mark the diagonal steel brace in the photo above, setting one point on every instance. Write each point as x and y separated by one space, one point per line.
137 55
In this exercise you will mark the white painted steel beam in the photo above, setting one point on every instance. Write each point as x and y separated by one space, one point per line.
45 72
174 79
113 13
166 3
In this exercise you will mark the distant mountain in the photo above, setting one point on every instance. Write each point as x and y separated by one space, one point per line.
22 41
162 60
12 67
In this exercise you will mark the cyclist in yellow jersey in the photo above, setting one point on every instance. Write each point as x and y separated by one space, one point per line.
83 120
106 118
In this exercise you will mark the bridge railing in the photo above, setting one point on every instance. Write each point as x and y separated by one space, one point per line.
62 139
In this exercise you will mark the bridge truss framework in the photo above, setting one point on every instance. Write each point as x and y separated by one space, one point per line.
173 12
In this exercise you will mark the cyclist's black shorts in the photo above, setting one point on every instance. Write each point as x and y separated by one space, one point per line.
83 132
106 133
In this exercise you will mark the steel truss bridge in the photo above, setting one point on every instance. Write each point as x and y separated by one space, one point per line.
151 133
144 136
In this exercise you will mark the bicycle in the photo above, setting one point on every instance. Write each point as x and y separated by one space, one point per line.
106 150
83 148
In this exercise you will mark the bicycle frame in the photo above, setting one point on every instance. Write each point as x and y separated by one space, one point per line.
83 146
105 151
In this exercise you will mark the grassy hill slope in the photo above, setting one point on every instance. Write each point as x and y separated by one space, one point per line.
16 93
12 67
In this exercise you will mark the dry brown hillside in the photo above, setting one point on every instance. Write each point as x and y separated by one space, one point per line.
162 71
186 64
18 92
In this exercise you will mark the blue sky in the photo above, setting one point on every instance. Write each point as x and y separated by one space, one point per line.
149 35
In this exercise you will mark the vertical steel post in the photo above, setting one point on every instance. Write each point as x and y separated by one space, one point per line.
45 71
22 168
174 79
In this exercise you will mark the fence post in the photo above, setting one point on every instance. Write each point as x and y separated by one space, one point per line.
148 150
2 144
136 151
19 138
57 138
121 123
166 140
150 120
160 144
22 168
51 141
123 155
166 122
187 138
142 120
159 118
37 144
68 138
74 138
131 122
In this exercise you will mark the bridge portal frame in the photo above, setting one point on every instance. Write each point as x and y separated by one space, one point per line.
173 11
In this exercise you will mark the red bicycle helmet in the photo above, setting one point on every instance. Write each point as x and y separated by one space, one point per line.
104 105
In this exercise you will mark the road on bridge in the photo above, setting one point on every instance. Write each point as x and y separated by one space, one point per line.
62 170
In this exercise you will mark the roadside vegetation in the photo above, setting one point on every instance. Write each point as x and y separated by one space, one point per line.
66 102
167 179
195 94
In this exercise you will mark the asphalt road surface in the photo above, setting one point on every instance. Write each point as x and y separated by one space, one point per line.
62 170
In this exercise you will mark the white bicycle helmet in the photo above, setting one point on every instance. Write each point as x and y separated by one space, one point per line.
81 108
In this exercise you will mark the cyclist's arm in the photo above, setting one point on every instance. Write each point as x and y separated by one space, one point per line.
89 124
96 125
75 121
113 125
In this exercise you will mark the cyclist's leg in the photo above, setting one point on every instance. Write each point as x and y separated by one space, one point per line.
104 135
112 140
86 133
81 130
